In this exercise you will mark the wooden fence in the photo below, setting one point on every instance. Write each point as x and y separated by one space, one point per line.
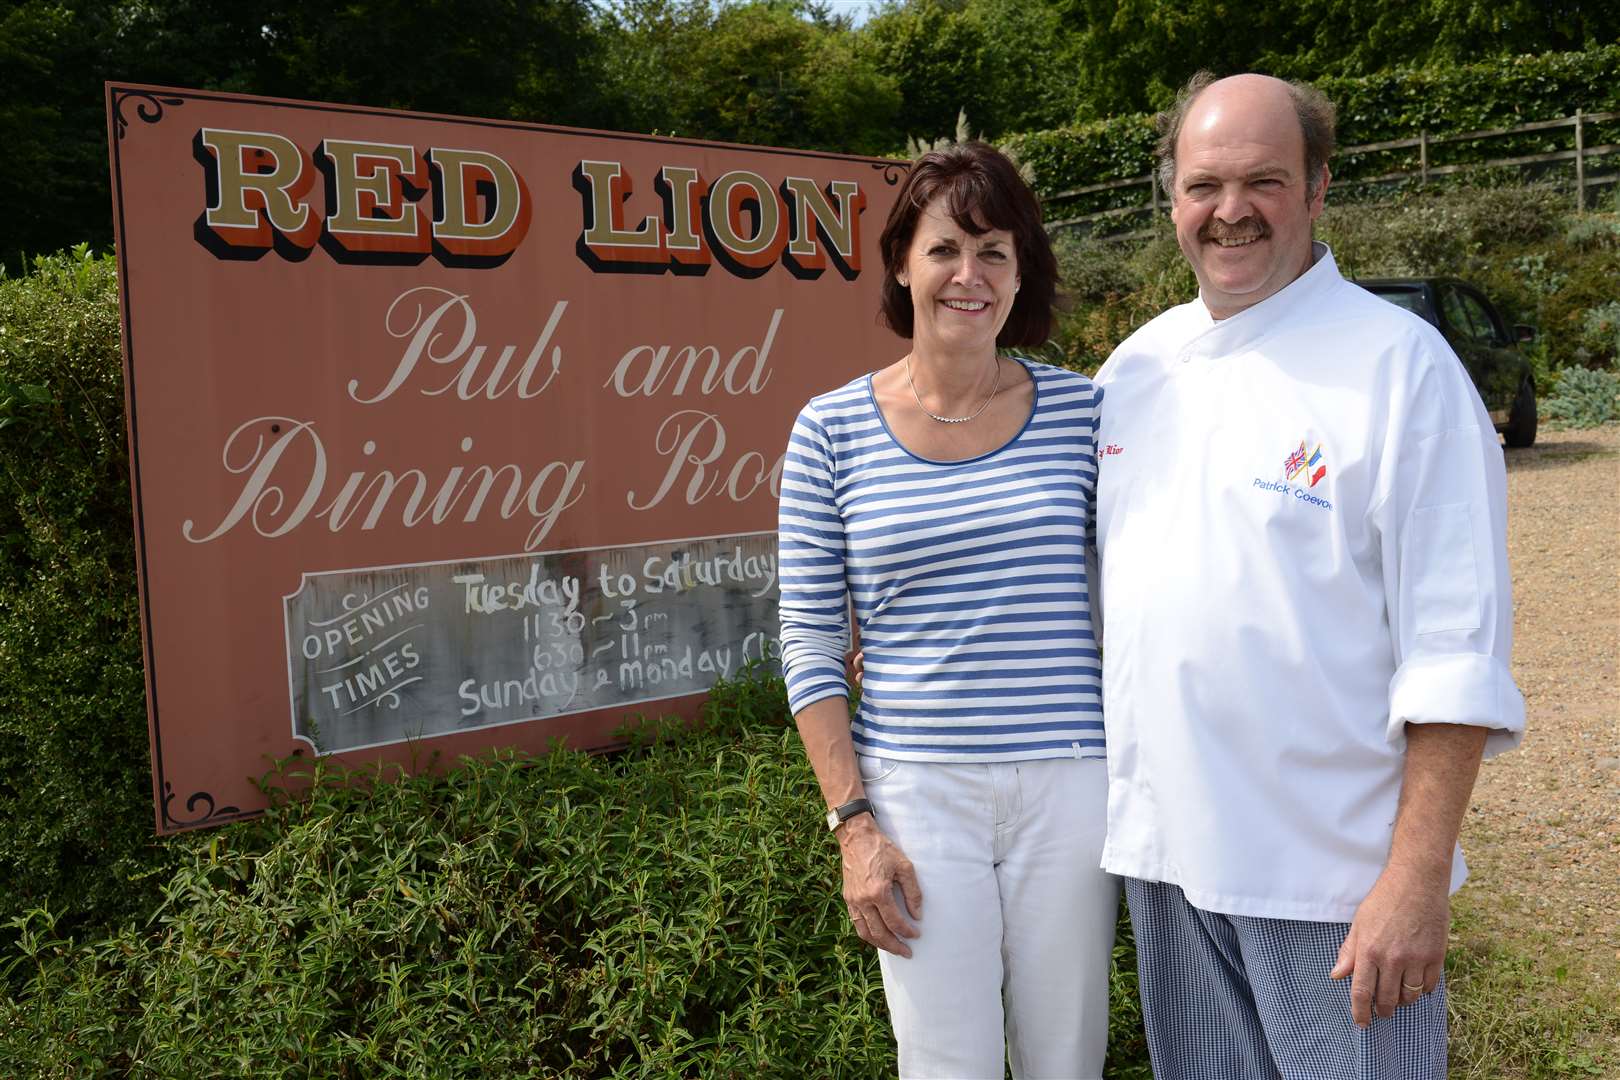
1582 155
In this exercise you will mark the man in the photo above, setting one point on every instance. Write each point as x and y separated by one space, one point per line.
1301 524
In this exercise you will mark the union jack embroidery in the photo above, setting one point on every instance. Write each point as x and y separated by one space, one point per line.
1306 463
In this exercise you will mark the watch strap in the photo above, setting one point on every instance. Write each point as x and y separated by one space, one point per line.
840 814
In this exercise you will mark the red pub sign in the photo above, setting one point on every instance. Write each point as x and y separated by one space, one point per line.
451 434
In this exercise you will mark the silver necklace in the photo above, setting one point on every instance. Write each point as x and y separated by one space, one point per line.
994 390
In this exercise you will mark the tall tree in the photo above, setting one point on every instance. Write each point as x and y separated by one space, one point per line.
768 72
53 174
1000 60
1131 55
525 59
518 59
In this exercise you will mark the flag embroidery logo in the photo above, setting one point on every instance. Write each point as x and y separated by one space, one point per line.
1303 464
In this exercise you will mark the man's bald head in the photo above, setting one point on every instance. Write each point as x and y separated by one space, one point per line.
1310 107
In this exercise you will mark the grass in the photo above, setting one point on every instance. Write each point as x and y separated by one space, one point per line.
1577 455
1521 1009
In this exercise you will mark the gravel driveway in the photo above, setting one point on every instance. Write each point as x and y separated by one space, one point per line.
1543 831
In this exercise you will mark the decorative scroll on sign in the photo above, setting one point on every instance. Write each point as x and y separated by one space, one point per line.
393 654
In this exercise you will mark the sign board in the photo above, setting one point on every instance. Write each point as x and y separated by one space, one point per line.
451 434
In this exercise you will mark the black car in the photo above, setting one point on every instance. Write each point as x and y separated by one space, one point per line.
1489 349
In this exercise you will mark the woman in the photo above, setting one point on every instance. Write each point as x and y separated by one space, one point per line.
948 497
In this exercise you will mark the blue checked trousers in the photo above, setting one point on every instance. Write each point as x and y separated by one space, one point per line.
1228 997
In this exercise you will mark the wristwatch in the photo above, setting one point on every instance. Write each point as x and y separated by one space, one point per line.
840 814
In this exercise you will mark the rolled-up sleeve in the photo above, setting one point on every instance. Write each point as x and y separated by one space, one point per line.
814 594
1443 532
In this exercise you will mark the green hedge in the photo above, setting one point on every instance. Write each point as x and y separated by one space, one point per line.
1116 149
670 912
75 783
1392 105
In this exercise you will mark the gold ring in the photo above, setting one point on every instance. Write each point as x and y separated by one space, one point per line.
1410 989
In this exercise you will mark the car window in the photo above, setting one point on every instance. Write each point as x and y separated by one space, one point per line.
1482 318
1466 316
1410 299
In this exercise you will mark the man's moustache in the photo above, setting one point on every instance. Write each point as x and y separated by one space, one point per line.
1246 229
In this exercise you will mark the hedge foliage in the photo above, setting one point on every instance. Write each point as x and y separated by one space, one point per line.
1585 398
674 911
1397 104
75 785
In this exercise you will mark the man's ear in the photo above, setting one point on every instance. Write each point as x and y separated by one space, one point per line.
1319 199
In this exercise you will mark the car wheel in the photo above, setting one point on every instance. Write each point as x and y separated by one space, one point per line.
1521 426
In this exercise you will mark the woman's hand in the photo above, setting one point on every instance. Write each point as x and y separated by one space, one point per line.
873 867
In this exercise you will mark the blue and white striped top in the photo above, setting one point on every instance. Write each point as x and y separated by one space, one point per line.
968 579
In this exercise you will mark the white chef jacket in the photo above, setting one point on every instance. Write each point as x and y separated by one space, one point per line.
1301 519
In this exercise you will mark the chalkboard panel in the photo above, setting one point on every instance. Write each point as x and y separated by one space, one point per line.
390 654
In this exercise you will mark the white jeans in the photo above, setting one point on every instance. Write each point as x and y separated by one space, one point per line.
1018 920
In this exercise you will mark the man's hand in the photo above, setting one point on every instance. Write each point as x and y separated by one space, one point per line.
1396 948
857 665
873 866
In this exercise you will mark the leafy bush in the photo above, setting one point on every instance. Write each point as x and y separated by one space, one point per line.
1093 268
1597 231
1453 231
1116 286
1585 398
75 784
674 911
1600 335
